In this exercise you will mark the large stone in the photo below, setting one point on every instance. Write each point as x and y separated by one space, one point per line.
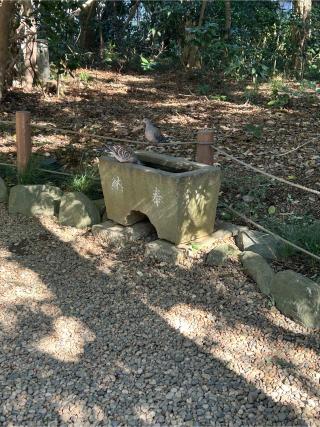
261 243
178 197
208 242
109 233
297 297
3 191
258 269
34 200
220 254
77 210
163 251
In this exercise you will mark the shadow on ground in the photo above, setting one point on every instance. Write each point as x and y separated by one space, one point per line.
95 335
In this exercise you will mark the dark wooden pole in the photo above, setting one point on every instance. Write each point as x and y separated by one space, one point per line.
204 152
23 140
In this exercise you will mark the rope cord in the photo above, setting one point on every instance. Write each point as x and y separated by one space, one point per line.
235 159
260 227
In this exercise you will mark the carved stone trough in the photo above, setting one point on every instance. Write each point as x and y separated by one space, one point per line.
178 197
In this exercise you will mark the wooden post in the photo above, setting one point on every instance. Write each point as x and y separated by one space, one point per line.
23 140
204 153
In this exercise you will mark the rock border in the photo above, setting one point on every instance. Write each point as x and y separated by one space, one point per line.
295 296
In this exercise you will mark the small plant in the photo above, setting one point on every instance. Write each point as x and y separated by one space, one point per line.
147 64
280 94
111 57
194 246
251 94
218 97
81 182
254 130
84 77
307 236
203 89
31 174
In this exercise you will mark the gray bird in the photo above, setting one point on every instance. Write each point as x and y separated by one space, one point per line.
124 155
152 133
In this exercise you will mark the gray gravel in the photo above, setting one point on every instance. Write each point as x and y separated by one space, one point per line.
93 336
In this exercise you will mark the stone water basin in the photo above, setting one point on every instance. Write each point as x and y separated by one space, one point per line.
179 197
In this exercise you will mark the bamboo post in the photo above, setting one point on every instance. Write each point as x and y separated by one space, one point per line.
23 140
204 153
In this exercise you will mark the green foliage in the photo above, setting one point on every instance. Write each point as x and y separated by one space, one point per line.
110 55
254 130
218 97
84 77
303 232
262 43
83 182
31 174
251 94
203 89
280 94
147 64
57 24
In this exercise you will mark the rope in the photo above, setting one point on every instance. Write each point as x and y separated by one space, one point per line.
50 171
103 137
260 227
262 172
269 175
299 248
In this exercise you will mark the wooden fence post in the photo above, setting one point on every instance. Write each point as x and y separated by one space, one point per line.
23 140
204 153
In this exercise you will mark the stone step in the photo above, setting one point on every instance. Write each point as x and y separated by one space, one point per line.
110 233
163 251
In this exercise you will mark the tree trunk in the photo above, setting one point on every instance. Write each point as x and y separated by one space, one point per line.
191 56
6 17
88 33
132 12
302 9
227 25
29 45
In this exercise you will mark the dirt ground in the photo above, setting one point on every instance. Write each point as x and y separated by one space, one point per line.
101 336
283 141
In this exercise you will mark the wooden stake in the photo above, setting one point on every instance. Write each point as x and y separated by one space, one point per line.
204 153
23 140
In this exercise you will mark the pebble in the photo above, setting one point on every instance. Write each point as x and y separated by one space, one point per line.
162 346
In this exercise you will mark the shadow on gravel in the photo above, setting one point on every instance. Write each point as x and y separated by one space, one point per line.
87 345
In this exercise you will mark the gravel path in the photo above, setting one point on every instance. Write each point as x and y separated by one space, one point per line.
90 336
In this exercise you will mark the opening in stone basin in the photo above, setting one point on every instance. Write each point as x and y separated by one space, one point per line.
167 168
169 164
135 217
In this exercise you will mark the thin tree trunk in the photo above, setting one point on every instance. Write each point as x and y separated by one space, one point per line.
87 34
29 45
132 12
6 17
191 53
101 41
227 26
203 8
302 9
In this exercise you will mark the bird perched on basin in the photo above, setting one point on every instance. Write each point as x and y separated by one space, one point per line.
152 133
123 155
